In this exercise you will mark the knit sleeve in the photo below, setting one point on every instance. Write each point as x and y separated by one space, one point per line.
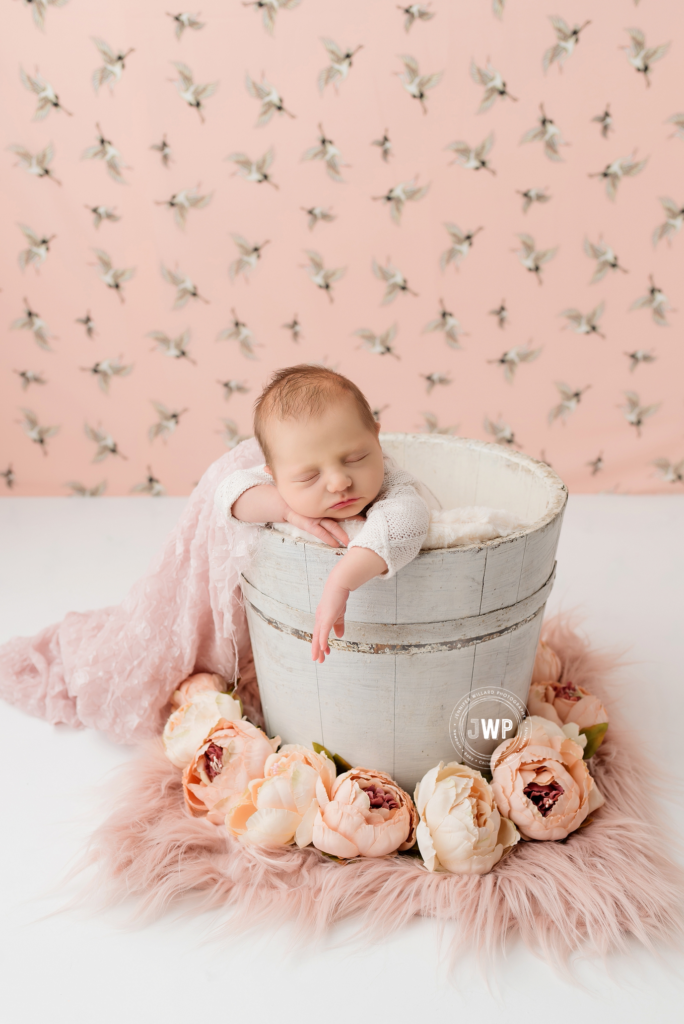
228 492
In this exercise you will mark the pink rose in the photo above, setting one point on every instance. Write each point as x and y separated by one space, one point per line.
541 782
566 703
232 754
367 815
281 807
201 682
547 664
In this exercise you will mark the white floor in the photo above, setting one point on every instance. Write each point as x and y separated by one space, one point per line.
621 560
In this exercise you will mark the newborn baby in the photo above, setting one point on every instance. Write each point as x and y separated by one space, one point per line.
324 464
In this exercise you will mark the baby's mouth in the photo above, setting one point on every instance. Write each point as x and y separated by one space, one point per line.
343 504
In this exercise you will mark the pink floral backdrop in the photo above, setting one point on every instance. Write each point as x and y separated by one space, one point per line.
473 210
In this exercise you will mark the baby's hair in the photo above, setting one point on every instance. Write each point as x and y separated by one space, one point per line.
303 389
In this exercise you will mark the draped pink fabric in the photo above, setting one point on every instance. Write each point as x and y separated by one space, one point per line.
115 668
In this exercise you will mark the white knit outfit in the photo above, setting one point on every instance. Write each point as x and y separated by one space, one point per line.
397 521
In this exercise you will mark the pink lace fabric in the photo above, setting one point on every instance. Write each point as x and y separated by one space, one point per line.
114 669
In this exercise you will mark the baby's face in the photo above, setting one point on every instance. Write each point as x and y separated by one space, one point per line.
329 465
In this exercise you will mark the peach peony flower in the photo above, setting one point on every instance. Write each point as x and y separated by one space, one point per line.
367 815
201 682
540 780
188 727
281 807
547 664
232 754
566 703
460 829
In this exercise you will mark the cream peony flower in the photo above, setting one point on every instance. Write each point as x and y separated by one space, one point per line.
367 815
460 829
547 664
231 756
188 727
281 807
201 682
540 780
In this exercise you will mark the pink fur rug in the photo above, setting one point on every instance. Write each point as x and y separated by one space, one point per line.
617 878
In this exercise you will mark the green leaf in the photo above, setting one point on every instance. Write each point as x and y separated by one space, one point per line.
594 734
340 763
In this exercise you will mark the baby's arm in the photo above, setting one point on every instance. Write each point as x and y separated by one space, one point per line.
261 503
356 567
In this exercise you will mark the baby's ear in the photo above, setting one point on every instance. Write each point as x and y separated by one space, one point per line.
377 426
267 469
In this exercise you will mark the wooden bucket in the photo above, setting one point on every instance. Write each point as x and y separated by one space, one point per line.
451 620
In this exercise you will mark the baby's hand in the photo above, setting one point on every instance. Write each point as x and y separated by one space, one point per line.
327 530
329 615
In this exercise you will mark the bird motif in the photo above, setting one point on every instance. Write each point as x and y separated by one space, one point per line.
185 21
269 97
248 258
569 401
106 150
533 259
473 159
513 358
240 332
582 323
501 432
640 56
182 202
32 321
38 248
294 327
548 133
9 477
432 380
105 370
233 387
81 491
416 85
414 13
673 223
166 423
321 277
431 425
378 344
640 355
327 151
678 121
88 323
190 91
656 301
106 445
254 170
385 145
37 164
101 213
605 120
175 348
395 282
670 472
377 413
340 63
596 465
404 192
461 243
613 173
269 9
316 213
635 413
39 9
498 8
605 258
501 314
185 288
566 40
446 322
28 377
231 434
113 65
533 195
494 85
151 485
112 277
35 432
164 150
47 97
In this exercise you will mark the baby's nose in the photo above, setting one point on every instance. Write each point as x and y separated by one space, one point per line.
339 482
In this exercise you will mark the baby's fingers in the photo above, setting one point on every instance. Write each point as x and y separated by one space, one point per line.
333 527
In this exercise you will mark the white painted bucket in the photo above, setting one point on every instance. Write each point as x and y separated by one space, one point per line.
451 620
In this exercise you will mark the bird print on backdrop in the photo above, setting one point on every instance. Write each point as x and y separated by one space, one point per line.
249 185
